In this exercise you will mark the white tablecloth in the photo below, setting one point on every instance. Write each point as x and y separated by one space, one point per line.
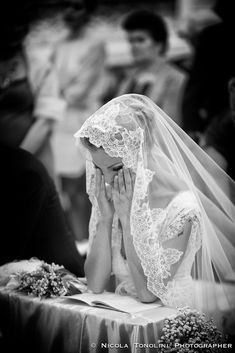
61 325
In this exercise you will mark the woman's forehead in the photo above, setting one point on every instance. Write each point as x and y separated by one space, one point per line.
101 158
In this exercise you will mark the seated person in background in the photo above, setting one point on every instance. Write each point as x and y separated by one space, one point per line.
159 217
152 75
219 138
32 219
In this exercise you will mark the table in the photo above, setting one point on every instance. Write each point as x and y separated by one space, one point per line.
61 325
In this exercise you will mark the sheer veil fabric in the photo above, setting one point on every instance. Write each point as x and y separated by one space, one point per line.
175 182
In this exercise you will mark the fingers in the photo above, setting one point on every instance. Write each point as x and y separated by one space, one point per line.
124 181
115 186
102 186
100 189
128 181
97 181
133 176
108 190
121 182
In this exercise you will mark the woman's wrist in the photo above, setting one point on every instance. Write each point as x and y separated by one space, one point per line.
125 226
106 221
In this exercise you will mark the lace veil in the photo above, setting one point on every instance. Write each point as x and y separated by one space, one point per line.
168 163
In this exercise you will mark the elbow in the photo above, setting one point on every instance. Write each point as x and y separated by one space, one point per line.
86 268
147 297
94 286
148 300
96 290
97 274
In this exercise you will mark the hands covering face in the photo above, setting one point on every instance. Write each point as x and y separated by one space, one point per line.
122 193
104 202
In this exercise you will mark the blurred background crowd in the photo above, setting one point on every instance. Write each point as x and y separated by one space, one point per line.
60 60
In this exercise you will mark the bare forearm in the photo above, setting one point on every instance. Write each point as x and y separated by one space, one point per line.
98 262
136 269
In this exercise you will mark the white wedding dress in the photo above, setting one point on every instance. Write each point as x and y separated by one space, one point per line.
178 291
168 166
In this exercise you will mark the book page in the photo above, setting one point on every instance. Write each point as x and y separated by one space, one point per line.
125 304
84 297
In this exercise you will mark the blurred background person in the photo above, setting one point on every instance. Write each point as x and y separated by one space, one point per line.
36 101
20 127
151 74
31 102
80 68
219 137
32 218
205 94
60 67
52 23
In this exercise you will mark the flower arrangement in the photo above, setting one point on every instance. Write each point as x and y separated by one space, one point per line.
49 281
190 332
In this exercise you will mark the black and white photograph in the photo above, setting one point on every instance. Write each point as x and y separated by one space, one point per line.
117 182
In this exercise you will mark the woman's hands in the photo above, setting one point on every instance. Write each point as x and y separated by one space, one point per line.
122 195
104 202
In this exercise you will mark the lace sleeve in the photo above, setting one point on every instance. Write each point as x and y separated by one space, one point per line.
176 291
179 291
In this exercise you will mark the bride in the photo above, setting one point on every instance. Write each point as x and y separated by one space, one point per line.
163 212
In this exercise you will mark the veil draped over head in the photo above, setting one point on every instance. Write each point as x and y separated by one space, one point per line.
168 163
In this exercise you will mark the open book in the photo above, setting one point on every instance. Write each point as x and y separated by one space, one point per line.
108 300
